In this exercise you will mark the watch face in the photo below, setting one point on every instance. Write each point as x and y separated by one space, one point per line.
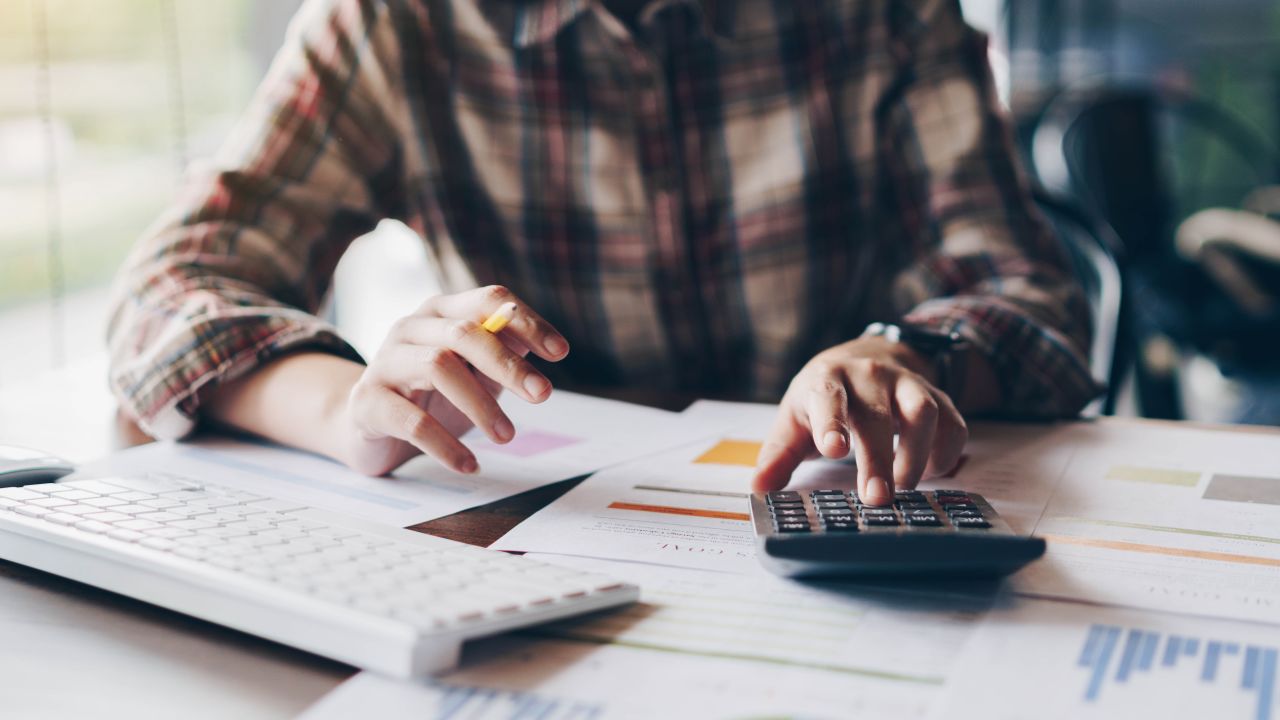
928 341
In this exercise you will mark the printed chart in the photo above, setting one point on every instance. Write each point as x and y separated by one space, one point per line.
1182 520
1056 660
1143 651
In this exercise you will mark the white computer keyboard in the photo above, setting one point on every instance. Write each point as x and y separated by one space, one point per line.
378 598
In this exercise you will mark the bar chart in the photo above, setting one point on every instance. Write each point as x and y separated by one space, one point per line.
1113 656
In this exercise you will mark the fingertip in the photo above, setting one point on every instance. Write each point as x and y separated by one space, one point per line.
877 491
537 388
834 445
556 348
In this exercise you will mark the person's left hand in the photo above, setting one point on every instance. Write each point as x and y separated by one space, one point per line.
861 393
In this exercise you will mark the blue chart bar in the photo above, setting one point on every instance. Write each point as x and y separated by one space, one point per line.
1141 648
469 702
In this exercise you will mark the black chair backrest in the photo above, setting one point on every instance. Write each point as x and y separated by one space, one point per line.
1138 158
1091 248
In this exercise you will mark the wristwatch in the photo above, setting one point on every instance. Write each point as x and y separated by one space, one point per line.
947 352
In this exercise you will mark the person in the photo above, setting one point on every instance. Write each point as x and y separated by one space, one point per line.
697 196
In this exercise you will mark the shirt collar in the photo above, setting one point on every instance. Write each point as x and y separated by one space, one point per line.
539 21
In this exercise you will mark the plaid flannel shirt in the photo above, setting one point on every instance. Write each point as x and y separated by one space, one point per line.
699 201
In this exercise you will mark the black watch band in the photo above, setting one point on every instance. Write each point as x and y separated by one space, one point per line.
947 351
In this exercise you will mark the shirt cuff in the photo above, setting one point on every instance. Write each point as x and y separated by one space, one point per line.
164 384
1042 372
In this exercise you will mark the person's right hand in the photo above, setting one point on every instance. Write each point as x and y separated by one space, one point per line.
438 373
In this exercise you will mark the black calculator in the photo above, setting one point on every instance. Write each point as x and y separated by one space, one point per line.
808 533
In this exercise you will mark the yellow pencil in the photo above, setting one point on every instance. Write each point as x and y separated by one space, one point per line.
500 318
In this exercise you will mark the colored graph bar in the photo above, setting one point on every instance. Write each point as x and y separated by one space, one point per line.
1211 654
1101 659
731 452
1131 644
1172 649
1243 489
1148 651
1257 665
528 443
1159 476
1266 684
1162 550
690 512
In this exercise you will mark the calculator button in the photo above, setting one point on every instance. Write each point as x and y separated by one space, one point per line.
784 496
879 520
842 526
846 512
905 506
964 514
910 496
878 511
923 520
970 522
830 504
958 506
789 512
790 527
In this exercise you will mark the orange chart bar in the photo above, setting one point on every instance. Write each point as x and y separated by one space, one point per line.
1160 550
716 514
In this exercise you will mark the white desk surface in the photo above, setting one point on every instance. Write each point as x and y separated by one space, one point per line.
70 650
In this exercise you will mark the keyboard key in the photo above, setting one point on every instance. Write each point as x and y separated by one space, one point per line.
793 527
105 502
132 509
137 524
73 494
931 520
126 535
842 527
93 526
156 543
50 502
968 522
879 520
33 511
62 518
20 494
96 487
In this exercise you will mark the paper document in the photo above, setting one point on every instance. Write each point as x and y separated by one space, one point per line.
697 645
1050 660
689 506
1165 517
686 507
566 436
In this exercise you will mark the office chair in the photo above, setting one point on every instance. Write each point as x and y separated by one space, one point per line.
1092 249
1136 157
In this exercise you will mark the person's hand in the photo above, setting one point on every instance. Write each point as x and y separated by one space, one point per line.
860 393
438 373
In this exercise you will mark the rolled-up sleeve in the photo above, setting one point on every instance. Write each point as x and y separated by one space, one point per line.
235 271
983 261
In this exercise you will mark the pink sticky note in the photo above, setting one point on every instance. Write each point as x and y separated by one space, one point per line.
528 443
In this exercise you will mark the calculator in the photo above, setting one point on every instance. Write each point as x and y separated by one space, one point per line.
832 533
